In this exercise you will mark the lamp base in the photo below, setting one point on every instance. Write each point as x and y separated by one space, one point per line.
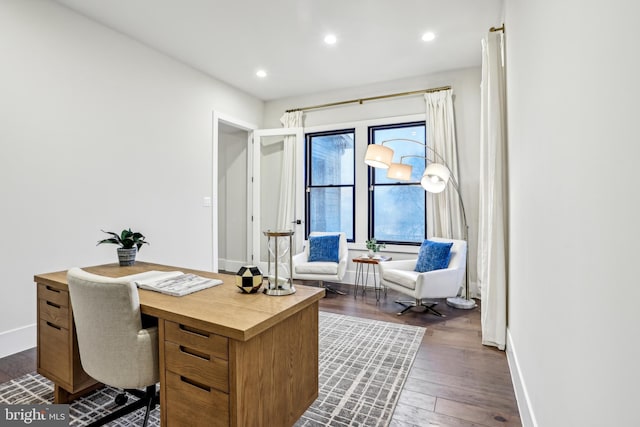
461 303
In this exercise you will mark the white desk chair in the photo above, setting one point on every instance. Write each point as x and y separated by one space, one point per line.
114 347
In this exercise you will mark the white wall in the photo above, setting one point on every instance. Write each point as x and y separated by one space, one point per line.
573 90
232 198
466 89
97 132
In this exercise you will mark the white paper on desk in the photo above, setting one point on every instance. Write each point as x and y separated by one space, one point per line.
175 283
151 275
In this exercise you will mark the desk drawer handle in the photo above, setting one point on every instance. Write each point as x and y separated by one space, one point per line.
52 304
195 384
49 288
195 353
54 326
194 331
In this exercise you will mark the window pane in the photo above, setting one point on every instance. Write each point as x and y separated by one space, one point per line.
399 213
332 159
402 148
331 209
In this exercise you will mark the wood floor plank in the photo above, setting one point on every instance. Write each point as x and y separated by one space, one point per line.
405 415
462 394
417 399
479 381
478 414
18 364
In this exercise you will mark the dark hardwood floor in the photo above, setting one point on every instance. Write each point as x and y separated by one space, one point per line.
455 380
17 365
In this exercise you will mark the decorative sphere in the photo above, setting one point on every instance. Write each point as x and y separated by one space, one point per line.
249 279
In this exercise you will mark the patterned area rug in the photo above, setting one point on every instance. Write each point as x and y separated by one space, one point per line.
363 366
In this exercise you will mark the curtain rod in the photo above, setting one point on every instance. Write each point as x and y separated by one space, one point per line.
494 29
372 98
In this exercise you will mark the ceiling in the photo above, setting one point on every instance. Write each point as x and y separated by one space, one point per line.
378 40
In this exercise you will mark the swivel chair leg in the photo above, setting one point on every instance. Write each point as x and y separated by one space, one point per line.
329 289
406 308
149 400
428 306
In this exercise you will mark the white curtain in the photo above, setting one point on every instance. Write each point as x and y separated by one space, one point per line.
286 205
444 214
492 233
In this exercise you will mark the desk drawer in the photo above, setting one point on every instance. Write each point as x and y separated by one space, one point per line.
201 367
56 296
197 339
193 404
53 351
54 313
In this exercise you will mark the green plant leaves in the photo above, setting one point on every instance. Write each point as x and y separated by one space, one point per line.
127 239
373 245
112 240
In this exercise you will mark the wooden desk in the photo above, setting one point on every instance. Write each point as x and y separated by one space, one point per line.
226 358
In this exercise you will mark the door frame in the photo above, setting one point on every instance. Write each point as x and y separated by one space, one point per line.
218 118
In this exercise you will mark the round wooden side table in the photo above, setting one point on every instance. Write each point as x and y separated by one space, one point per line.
362 278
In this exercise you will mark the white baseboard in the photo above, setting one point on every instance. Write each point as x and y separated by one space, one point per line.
17 340
230 265
527 416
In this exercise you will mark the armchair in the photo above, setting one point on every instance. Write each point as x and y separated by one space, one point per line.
402 277
114 347
321 271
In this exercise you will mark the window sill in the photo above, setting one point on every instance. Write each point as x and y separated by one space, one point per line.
393 249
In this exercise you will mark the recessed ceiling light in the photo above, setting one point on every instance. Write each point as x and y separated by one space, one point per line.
330 39
261 73
428 36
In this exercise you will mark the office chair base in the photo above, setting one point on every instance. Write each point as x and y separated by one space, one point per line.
121 399
334 291
149 399
330 289
428 306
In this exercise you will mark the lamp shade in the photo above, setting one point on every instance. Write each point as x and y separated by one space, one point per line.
378 156
435 178
399 171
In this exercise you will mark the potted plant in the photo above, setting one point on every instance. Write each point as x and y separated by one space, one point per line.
130 243
374 246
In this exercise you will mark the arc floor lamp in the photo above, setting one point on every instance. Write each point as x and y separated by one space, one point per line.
435 178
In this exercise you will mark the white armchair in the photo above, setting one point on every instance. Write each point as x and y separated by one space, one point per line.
321 271
402 277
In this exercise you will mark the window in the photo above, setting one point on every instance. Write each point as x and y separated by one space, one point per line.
397 209
330 179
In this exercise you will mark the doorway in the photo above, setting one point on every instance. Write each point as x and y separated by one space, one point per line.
231 210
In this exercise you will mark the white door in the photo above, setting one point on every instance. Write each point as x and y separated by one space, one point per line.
266 163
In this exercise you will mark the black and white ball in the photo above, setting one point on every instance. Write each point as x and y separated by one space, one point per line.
249 279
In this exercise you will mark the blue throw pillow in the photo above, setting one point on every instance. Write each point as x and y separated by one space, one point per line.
433 256
324 248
